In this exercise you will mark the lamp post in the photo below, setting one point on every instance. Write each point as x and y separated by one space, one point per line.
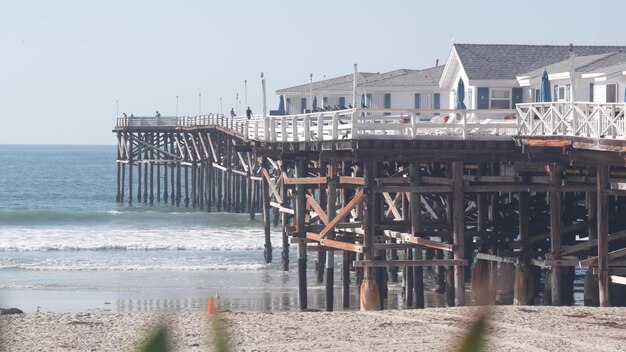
221 111
245 93
177 106
310 91
199 103
117 108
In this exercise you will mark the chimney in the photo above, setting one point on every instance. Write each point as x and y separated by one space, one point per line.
436 62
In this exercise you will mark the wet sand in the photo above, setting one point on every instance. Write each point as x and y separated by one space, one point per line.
511 328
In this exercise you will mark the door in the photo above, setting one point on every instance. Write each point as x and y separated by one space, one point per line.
482 98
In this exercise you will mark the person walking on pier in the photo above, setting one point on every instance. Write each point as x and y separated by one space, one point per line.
249 113
158 114
232 112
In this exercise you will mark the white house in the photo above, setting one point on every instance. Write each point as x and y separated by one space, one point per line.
495 76
399 89
499 76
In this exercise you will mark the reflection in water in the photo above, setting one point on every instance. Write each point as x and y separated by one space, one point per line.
279 293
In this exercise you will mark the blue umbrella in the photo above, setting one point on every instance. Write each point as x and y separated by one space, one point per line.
281 104
314 102
544 89
460 95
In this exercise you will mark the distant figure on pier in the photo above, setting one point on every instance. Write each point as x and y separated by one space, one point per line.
124 114
158 114
249 113
131 115
232 112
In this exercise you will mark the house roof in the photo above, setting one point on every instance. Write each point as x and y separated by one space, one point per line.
423 78
401 77
505 61
580 62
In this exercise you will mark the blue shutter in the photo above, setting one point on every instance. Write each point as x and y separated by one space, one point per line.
482 100
387 102
437 101
342 102
303 105
517 97
418 101
591 92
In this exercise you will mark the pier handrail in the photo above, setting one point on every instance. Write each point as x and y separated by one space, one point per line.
352 124
574 119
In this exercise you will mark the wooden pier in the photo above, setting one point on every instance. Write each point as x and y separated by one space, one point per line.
513 195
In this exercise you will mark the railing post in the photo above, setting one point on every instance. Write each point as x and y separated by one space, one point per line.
273 131
335 125
283 128
464 123
320 127
355 121
307 128
294 126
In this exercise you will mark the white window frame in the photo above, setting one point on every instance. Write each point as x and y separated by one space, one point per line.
492 98
563 93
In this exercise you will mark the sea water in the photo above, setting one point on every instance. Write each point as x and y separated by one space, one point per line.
66 245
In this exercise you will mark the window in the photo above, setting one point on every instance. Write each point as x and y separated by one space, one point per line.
303 105
324 102
591 92
418 101
563 92
536 95
611 93
436 102
288 105
342 102
387 102
500 98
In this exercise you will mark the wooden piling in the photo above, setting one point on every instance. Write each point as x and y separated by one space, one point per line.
267 248
331 212
130 171
416 229
284 193
151 166
554 175
602 182
523 290
369 293
300 214
458 213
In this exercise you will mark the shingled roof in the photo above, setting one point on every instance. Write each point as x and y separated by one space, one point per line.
505 61
401 77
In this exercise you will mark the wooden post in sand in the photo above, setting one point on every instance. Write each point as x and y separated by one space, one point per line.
602 183
458 225
369 293
300 208
592 294
416 229
523 290
331 211
267 248
554 174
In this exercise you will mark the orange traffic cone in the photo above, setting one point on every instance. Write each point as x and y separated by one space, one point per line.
211 309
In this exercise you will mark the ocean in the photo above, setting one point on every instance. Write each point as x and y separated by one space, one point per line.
67 246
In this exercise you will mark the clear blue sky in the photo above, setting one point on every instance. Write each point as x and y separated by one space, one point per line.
63 64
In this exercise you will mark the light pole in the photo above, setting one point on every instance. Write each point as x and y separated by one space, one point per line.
237 103
199 103
310 91
245 93
221 111
117 108
177 106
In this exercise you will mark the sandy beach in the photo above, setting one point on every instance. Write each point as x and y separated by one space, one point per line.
511 328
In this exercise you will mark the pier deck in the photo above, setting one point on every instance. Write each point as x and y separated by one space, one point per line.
513 192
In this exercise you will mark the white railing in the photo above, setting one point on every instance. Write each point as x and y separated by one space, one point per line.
385 124
578 119
353 124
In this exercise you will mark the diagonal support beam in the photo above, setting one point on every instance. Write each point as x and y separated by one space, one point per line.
353 202
320 212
